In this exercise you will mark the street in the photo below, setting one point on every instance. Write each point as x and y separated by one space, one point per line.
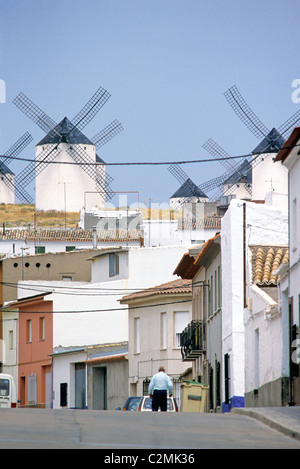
112 430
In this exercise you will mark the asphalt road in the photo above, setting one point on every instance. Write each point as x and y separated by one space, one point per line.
111 430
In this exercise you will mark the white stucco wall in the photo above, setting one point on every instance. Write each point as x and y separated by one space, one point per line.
264 225
294 203
268 176
145 363
7 196
63 186
64 372
262 317
90 313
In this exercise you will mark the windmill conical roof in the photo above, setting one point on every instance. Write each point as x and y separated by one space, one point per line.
272 143
242 173
5 169
189 189
65 132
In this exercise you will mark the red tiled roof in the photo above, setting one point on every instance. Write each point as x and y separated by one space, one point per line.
68 235
174 287
189 266
265 262
288 145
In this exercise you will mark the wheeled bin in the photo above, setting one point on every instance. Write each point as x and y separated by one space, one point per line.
193 396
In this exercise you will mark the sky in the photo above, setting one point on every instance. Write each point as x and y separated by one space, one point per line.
166 65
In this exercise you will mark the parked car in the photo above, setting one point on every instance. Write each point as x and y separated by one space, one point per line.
145 404
8 394
132 403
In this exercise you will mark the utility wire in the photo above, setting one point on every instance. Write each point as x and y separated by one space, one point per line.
145 163
7 310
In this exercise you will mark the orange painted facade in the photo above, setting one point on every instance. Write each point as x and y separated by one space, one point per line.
35 350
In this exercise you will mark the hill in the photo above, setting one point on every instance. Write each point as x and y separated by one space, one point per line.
21 215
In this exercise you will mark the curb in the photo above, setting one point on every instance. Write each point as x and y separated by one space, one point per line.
268 421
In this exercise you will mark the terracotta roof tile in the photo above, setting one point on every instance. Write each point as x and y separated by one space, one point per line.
178 286
265 262
68 235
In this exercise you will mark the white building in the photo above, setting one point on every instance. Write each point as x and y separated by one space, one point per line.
202 339
245 224
89 313
61 186
290 282
266 379
157 317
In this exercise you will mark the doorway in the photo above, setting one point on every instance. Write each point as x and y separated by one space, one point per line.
80 388
100 388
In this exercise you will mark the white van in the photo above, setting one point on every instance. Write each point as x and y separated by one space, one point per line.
8 394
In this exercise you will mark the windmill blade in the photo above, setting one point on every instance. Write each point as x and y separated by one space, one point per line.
95 171
105 135
243 111
17 148
286 128
178 173
23 196
34 113
218 152
28 174
91 108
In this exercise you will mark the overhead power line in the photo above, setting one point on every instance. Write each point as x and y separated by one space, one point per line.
95 310
144 163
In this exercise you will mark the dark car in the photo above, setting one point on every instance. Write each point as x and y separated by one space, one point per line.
132 403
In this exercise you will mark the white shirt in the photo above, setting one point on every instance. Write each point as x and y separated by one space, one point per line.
160 381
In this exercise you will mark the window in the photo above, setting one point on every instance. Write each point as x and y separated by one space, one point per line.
42 328
163 331
137 337
28 331
11 340
113 265
294 225
181 320
63 394
32 389
40 249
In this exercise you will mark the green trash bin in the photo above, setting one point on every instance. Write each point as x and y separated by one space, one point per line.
193 396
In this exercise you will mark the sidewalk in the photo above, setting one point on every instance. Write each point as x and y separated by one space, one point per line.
283 419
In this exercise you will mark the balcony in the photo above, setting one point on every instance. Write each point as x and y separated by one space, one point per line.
192 341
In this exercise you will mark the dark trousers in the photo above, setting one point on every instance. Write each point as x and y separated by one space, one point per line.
159 400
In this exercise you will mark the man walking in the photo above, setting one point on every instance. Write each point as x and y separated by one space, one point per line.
158 388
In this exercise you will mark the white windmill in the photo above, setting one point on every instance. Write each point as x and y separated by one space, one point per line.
68 172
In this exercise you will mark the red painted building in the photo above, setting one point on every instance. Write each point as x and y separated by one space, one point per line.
35 350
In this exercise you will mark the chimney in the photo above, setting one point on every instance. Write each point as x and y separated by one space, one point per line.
94 237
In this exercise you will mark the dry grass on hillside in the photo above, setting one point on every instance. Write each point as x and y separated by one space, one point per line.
22 215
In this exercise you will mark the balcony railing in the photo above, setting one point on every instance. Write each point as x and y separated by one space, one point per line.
192 340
